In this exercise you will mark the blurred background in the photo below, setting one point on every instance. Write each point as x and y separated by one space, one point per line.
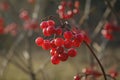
22 59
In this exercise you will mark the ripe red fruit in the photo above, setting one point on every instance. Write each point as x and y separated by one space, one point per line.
63 56
59 41
51 30
59 50
43 24
52 51
78 37
77 4
46 45
4 6
31 1
39 41
75 43
72 52
24 15
52 44
68 35
77 77
67 43
75 11
113 73
58 31
51 23
55 60
45 32
1 30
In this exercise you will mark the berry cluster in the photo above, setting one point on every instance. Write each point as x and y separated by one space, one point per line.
67 10
10 28
108 30
86 72
29 24
63 45
4 6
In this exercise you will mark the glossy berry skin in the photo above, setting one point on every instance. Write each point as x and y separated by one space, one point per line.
59 50
63 56
58 31
52 44
59 41
39 41
46 45
77 77
51 23
52 51
72 52
45 32
67 43
55 60
43 24
76 43
68 35
50 30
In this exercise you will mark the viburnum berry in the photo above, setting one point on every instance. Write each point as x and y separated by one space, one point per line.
59 41
52 51
63 56
76 43
68 35
59 50
113 73
46 45
31 1
55 59
43 24
72 52
52 44
67 43
77 77
4 6
45 32
58 31
24 15
50 30
1 30
51 23
39 41
1 21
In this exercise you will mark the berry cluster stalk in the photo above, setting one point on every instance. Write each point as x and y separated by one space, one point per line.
102 69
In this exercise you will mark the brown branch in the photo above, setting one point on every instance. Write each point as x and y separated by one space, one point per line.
102 69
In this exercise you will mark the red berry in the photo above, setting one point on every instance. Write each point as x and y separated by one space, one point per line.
77 4
72 52
55 60
39 41
75 43
52 44
52 51
46 45
59 50
58 31
51 23
69 13
113 73
43 24
68 35
67 43
63 56
50 30
1 30
59 41
77 77
24 15
45 32
79 37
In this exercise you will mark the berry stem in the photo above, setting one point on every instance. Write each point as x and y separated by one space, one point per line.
102 69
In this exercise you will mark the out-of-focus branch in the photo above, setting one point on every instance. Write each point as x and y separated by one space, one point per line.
103 20
11 53
86 12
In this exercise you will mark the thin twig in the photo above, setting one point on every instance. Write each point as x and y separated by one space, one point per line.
102 69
